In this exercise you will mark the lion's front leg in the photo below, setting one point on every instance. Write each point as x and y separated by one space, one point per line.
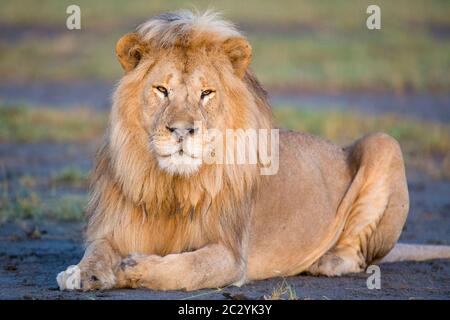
212 266
95 270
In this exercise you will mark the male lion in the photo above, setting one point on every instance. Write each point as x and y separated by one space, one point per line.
160 219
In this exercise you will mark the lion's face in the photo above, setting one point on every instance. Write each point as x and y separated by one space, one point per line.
185 96
179 104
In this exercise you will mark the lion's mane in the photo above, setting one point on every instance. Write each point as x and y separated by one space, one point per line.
145 209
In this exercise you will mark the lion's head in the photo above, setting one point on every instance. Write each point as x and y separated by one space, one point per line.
185 74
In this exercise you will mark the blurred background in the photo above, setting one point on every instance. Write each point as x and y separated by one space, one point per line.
326 73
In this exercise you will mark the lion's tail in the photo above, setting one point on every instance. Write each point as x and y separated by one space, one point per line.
416 252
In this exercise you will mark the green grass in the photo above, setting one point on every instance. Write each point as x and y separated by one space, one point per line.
312 45
104 14
27 204
327 62
22 124
71 176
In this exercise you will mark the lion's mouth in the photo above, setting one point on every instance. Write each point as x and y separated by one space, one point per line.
180 152
179 162
177 158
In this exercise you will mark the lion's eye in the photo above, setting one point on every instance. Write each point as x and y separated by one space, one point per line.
206 93
162 90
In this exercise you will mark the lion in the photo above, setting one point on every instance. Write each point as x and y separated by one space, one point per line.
160 219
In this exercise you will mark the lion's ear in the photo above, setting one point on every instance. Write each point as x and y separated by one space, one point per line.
129 51
239 52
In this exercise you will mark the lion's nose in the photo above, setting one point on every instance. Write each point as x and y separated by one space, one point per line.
182 129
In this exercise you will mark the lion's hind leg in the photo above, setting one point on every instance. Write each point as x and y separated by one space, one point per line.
377 210
349 253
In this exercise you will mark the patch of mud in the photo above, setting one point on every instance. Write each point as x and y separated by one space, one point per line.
439 31
429 214
65 95
13 33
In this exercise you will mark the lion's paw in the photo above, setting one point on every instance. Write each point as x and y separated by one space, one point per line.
130 270
135 270
331 265
69 279
76 278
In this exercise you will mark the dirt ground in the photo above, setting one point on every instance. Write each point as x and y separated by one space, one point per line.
32 254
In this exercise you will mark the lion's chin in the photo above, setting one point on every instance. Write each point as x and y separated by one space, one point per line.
179 164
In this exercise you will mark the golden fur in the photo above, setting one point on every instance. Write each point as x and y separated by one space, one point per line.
130 189
159 224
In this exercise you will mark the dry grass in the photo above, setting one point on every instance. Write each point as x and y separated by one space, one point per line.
282 291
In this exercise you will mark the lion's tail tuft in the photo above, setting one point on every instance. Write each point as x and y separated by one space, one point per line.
416 252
